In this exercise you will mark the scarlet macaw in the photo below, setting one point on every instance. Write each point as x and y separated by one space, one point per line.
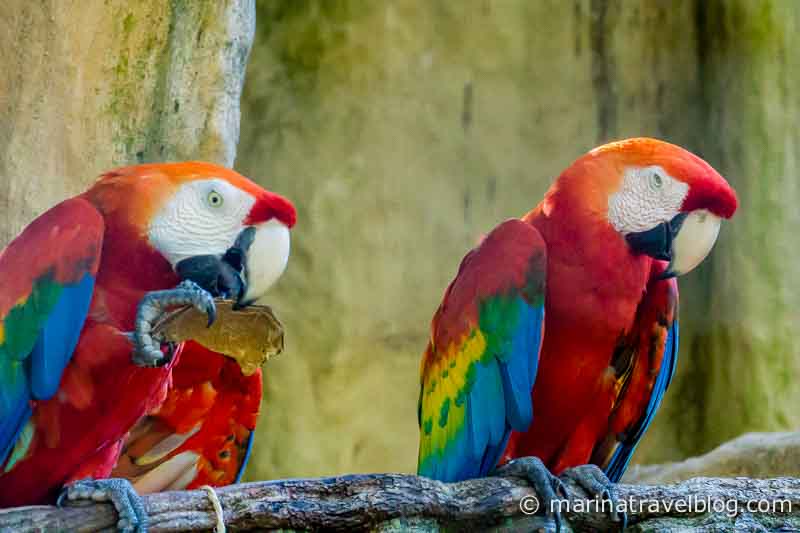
85 282
203 432
559 335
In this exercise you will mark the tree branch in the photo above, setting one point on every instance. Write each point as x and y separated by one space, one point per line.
389 502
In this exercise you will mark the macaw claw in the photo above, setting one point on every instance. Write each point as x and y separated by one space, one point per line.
595 482
548 487
147 346
127 502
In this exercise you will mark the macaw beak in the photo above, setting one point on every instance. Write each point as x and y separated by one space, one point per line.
684 241
247 269
266 252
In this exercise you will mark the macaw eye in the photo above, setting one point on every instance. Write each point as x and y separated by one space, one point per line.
656 181
215 199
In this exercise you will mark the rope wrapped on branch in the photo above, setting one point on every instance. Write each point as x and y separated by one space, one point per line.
395 502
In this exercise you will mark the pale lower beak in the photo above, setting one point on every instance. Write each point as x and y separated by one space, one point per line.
265 259
694 242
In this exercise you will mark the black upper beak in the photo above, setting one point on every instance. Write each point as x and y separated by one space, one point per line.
225 276
657 242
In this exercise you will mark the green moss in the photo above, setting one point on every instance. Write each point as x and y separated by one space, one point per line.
304 33
755 22
129 77
121 69
128 23
143 63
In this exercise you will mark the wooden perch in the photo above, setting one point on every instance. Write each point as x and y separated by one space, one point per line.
394 502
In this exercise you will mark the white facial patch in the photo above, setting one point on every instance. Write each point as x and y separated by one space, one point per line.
648 197
203 218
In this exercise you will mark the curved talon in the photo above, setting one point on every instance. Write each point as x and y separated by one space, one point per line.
595 482
170 348
212 314
147 348
127 502
548 487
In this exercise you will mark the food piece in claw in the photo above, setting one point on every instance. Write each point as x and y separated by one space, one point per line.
250 335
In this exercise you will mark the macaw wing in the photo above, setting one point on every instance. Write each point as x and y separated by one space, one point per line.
480 364
203 432
648 355
48 275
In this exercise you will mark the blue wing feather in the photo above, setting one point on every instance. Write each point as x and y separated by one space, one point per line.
38 377
247 452
622 455
48 283
480 366
58 337
519 373
499 402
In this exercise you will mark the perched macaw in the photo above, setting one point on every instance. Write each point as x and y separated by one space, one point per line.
559 334
84 284
203 432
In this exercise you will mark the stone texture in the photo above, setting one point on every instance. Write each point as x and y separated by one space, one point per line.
754 455
90 85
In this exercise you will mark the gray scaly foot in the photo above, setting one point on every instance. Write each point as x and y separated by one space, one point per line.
595 482
147 348
129 506
548 487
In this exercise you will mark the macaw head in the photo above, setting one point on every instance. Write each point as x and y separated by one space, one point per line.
211 224
665 201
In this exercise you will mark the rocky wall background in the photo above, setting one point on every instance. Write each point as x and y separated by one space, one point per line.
90 85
